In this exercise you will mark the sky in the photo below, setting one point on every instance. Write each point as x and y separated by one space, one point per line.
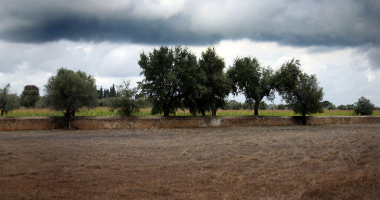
337 40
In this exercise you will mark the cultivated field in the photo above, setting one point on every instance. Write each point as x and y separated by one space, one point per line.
289 162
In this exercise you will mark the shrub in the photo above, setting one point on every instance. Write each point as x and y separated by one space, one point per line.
281 107
124 105
331 107
342 107
364 106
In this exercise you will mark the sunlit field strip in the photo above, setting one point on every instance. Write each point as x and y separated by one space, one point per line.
104 111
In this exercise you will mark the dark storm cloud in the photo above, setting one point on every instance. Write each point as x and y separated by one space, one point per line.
300 23
115 30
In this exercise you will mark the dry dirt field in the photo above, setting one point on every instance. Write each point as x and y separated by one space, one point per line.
287 162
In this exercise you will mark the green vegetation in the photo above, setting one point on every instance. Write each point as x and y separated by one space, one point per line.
177 84
29 98
252 80
364 106
125 105
8 101
70 91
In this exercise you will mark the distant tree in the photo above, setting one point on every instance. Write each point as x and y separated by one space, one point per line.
112 91
263 106
213 83
100 93
8 101
30 96
69 91
106 93
331 107
169 78
254 81
281 107
125 104
364 106
326 104
306 96
350 107
41 103
342 107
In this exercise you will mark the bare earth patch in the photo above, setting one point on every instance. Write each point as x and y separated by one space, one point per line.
288 162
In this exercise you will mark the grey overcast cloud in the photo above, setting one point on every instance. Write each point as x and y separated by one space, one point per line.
338 40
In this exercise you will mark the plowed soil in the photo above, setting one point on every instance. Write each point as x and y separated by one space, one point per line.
289 162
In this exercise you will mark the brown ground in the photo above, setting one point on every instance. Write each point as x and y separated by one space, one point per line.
292 162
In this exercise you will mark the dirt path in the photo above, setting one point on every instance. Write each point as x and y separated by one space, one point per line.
293 162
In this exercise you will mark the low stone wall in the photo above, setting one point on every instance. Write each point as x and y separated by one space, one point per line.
146 122
26 123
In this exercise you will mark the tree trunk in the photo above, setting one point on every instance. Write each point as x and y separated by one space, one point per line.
166 114
303 119
2 112
256 107
203 113
213 112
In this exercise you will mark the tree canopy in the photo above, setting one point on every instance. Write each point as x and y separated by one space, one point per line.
214 85
169 75
306 97
29 97
254 81
364 106
8 101
68 91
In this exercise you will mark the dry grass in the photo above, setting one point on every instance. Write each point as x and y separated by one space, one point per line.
292 162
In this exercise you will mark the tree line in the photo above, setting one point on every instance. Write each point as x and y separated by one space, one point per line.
174 78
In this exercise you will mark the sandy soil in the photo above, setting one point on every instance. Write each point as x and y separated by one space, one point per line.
289 162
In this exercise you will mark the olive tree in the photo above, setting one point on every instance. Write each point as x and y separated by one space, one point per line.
251 79
213 84
306 97
299 90
364 106
68 91
170 77
8 101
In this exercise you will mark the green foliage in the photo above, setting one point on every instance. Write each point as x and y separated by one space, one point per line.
326 104
232 105
364 106
281 107
254 81
287 77
29 98
100 93
331 107
263 106
306 97
213 85
8 101
350 107
125 104
170 78
342 107
112 91
41 103
70 90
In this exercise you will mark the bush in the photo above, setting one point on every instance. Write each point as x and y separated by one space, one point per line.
41 103
124 105
331 107
342 107
364 106
281 107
